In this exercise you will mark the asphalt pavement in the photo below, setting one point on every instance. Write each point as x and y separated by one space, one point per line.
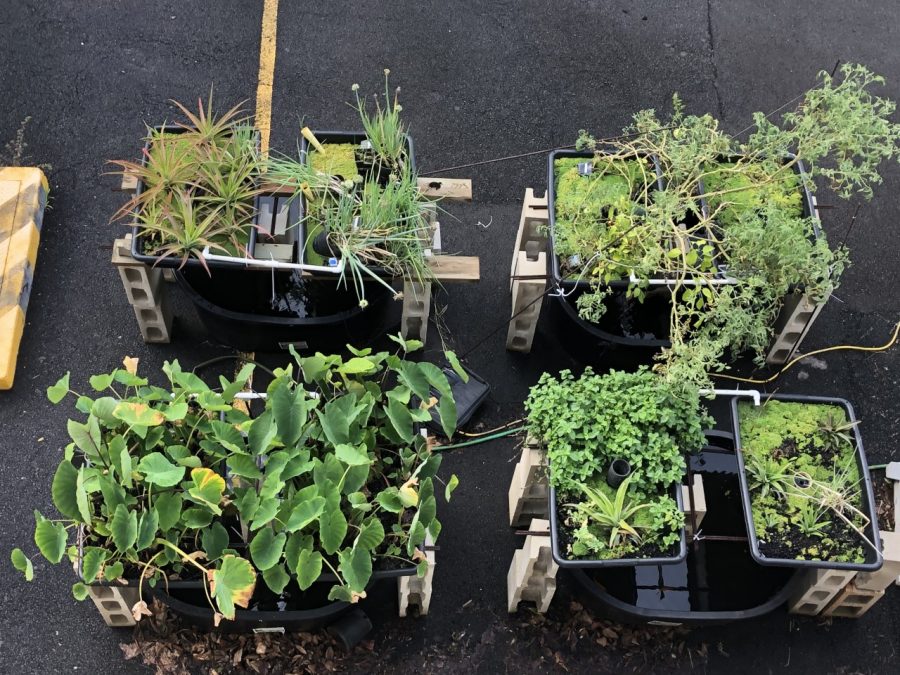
480 80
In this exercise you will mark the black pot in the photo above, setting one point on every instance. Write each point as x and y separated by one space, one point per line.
717 582
137 241
618 471
231 306
874 558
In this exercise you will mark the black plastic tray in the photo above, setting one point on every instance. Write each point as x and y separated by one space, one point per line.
567 563
874 559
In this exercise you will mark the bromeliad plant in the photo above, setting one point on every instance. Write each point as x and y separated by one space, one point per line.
329 482
587 423
363 204
727 233
198 184
805 486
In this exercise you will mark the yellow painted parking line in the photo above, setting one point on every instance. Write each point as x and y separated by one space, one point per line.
23 196
266 77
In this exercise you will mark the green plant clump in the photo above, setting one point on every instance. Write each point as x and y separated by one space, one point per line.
731 210
373 213
804 481
330 476
198 185
585 423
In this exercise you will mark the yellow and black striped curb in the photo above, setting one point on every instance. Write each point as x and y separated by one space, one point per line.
23 196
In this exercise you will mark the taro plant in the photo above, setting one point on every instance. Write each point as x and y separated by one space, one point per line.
363 203
804 487
727 233
198 184
324 480
585 423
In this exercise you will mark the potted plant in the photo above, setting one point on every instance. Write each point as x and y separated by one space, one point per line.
596 428
806 487
196 185
362 212
325 483
732 232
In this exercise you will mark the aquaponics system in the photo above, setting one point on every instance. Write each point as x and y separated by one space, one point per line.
297 479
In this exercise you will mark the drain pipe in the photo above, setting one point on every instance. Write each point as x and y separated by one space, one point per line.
751 393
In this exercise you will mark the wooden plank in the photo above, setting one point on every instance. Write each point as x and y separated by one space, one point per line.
455 268
449 189
129 183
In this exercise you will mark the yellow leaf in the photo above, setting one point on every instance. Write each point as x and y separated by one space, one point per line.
131 364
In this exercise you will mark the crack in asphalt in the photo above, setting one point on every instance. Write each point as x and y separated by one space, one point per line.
712 59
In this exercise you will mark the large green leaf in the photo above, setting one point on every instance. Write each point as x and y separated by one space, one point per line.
229 389
214 541
456 365
101 382
276 578
447 411
262 433
91 563
229 437
124 528
266 547
208 488
81 497
50 538
389 499
412 376
232 584
137 414
290 408
451 486
196 517
296 542
332 530
356 366
266 510
63 490
371 535
147 528
103 408
401 420
168 507
304 512
244 465
86 436
356 567
309 568
58 391
158 470
354 456
22 563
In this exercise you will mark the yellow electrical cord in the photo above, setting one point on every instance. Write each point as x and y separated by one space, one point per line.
774 377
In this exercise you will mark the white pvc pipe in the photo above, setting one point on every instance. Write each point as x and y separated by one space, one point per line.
338 268
750 393
685 282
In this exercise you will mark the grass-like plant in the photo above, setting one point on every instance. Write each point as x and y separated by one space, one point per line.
384 128
612 515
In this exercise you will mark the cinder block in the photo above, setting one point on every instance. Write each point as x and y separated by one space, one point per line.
114 604
793 323
817 589
141 282
416 591
527 299
416 309
532 573
155 322
528 490
852 602
699 504
532 232
890 570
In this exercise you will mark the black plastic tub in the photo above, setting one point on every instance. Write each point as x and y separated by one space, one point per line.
190 603
354 137
874 558
567 563
717 582
137 241
237 309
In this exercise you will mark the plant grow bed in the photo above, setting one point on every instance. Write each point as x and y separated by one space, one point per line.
717 582
558 536
813 461
139 244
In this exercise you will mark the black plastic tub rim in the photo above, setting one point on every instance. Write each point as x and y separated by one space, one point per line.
874 557
171 262
567 563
